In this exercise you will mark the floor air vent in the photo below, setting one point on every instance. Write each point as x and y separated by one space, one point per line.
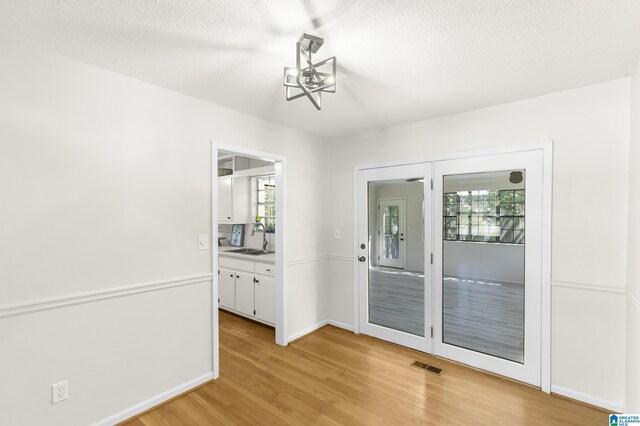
427 367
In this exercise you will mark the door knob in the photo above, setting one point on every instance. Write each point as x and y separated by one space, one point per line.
362 258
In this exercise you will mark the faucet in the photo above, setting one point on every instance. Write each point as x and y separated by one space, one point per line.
265 243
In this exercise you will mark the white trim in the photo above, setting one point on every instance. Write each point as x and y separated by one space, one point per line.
308 330
340 325
82 298
282 251
340 258
546 257
454 156
304 260
588 286
215 338
154 401
578 396
356 248
318 326
319 258
634 299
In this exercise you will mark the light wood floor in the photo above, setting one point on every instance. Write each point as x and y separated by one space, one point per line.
335 377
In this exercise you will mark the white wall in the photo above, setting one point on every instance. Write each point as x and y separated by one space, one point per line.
105 184
632 404
590 129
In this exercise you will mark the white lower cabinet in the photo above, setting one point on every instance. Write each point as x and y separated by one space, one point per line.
265 292
227 288
244 294
247 288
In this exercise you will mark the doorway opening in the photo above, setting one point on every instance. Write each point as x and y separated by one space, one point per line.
249 225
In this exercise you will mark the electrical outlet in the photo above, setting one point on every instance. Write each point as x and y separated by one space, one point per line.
336 233
59 392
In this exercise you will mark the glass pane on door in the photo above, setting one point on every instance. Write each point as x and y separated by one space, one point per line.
391 229
396 261
484 262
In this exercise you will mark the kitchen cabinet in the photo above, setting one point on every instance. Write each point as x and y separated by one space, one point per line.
245 293
227 288
225 199
265 295
234 199
247 288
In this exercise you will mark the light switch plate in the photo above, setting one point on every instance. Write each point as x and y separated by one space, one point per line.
203 242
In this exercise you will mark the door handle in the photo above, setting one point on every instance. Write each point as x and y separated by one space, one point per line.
362 258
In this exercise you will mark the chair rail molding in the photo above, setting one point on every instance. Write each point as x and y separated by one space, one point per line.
95 296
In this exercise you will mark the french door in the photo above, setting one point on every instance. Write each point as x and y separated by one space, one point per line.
391 244
481 272
488 262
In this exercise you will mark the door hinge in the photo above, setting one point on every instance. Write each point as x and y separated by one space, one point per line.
431 184
378 257
431 332
432 258
378 232
218 300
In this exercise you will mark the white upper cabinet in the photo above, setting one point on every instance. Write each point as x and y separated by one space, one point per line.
234 199
225 199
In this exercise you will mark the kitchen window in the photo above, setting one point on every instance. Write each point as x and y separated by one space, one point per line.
266 202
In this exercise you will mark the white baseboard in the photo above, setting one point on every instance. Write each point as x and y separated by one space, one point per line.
316 326
307 330
153 401
340 325
608 405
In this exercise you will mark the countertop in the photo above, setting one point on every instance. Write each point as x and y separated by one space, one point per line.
264 258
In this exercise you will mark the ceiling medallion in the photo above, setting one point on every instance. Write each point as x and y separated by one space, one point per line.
309 79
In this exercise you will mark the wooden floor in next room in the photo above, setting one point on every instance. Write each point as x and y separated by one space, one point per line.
335 377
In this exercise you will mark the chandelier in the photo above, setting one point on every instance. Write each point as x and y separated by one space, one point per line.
309 79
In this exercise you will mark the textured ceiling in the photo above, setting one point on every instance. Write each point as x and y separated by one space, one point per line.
400 61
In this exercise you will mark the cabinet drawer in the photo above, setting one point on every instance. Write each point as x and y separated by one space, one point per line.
237 264
265 269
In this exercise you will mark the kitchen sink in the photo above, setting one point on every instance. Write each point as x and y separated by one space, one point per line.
251 251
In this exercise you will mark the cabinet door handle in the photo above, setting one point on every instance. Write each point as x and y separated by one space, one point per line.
268 270
231 275
257 282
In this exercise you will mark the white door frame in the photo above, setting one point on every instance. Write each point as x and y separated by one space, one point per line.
362 324
402 247
281 243
547 149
